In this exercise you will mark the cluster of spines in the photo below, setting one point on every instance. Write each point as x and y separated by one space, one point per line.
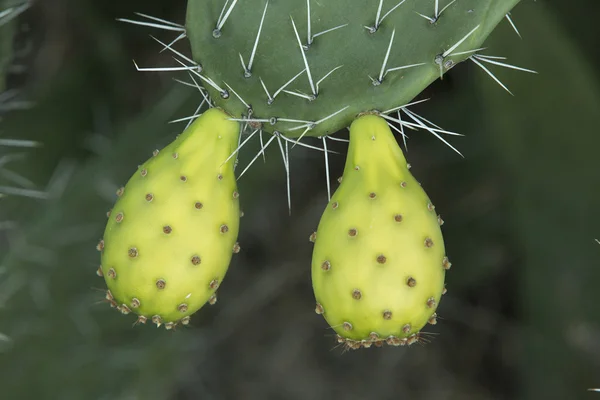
195 68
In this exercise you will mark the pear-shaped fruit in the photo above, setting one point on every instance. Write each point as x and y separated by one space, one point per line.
171 234
379 261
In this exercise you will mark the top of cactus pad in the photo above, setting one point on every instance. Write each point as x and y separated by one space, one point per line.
308 67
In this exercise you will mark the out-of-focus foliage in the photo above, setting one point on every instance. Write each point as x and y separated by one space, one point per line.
518 321
548 139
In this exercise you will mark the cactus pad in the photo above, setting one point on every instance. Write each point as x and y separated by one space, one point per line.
379 261
308 67
171 234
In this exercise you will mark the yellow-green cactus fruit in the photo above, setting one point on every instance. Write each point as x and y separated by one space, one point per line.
171 234
379 261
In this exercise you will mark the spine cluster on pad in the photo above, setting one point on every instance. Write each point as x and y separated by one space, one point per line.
307 68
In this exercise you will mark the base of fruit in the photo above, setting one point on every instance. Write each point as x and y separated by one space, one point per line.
375 340
142 319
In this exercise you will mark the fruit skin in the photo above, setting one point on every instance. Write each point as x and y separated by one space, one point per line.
379 262
171 234
359 54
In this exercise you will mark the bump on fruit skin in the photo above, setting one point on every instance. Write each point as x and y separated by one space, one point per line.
169 244
379 262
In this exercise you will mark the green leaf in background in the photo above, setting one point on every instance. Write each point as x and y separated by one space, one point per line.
548 137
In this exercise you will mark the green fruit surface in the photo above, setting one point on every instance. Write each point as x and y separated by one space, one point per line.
170 236
379 261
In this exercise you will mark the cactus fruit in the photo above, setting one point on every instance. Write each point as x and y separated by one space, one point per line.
379 261
171 234
308 67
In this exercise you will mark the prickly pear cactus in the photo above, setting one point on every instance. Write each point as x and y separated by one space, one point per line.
308 67
379 260
171 234
305 68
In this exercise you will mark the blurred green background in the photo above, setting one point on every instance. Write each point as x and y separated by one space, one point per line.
520 319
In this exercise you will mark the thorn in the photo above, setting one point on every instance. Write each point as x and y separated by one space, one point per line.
240 146
162 69
313 124
299 94
487 59
378 14
287 83
403 67
490 74
404 137
312 86
158 19
222 11
201 90
309 37
297 142
286 163
177 39
262 145
417 119
248 69
389 12
223 93
251 120
513 25
247 73
437 15
269 98
331 115
337 139
327 31
293 120
431 20
451 49
199 68
421 124
326 75
468 51
221 22
387 55
263 148
237 95
168 26
327 170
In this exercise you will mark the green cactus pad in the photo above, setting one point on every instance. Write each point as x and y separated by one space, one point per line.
379 261
351 60
171 234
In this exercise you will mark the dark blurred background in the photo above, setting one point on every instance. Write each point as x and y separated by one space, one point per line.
520 320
